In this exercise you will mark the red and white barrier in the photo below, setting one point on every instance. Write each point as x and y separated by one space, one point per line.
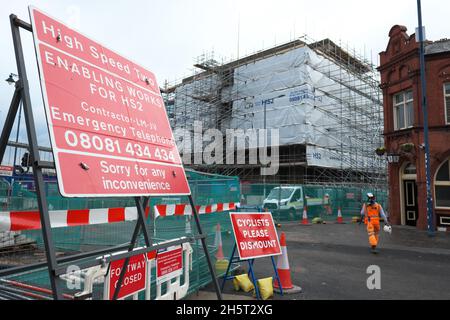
165 210
30 220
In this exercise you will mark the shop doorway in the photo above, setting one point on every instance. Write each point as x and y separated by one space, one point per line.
410 212
410 202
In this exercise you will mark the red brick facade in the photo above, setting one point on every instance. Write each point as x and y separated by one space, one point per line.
400 71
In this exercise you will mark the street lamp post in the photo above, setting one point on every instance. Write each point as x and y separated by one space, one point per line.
430 213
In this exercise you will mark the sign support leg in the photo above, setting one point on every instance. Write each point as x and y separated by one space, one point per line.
205 249
34 153
140 205
252 274
231 260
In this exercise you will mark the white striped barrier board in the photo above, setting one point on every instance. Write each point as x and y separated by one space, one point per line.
165 210
30 220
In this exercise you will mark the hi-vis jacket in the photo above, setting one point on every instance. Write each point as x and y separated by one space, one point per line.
373 212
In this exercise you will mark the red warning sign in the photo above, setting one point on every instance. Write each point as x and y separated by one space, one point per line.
135 276
255 234
169 263
107 119
6 171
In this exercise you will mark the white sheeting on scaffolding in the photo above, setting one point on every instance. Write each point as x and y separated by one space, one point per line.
327 158
299 98
310 99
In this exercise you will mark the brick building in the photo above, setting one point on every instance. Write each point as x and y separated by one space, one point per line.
403 127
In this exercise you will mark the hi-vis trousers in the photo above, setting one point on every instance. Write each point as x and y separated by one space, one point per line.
373 229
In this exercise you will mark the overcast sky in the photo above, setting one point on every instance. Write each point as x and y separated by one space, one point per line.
166 36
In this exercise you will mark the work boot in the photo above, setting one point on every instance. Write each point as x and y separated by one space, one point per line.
374 250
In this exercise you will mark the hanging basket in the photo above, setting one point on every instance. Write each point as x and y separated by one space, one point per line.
380 151
407 147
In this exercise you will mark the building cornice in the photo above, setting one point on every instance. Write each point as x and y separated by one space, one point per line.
399 58
417 129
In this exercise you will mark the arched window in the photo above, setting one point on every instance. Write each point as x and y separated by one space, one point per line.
410 169
442 186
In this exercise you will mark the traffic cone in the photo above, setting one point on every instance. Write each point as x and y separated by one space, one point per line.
221 262
305 221
340 220
218 243
283 270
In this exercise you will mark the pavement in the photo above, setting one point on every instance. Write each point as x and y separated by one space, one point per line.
210 295
330 261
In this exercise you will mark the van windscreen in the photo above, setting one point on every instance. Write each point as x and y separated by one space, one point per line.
280 193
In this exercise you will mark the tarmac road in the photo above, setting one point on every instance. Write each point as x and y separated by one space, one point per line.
330 261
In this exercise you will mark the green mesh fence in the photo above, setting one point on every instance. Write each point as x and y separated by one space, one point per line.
206 189
166 228
321 201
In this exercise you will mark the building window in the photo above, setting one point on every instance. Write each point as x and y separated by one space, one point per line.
447 102
442 186
410 169
403 110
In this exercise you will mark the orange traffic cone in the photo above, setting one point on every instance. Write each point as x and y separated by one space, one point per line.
305 217
340 220
284 272
218 243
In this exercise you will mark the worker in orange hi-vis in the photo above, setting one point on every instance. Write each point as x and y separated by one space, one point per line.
327 204
371 212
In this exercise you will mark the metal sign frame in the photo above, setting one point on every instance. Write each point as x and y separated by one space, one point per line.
58 266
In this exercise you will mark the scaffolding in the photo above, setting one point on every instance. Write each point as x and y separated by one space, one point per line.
342 118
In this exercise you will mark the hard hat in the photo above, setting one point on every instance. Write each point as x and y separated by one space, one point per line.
370 195
387 228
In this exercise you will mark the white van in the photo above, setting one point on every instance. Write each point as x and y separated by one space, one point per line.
292 199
